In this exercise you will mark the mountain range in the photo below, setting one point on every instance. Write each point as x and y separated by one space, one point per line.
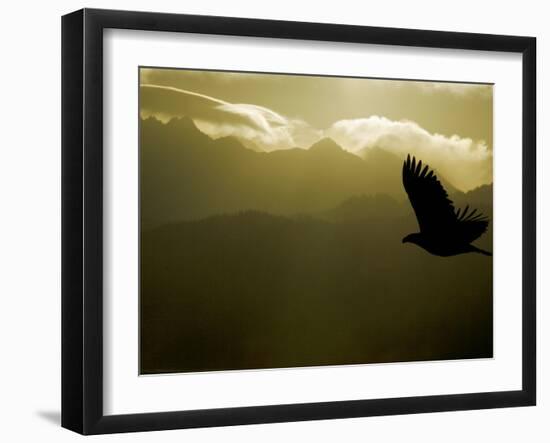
186 175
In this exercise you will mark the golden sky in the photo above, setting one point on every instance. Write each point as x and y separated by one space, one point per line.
449 125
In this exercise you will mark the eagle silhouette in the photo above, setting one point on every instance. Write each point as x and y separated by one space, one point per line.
443 231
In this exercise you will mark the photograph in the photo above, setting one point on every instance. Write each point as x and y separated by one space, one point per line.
302 220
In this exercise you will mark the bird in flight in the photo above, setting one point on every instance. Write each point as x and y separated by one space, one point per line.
444 231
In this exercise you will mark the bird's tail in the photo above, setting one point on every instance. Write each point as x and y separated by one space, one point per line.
481 251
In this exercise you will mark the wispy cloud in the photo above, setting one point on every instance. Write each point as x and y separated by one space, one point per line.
219 118
463 161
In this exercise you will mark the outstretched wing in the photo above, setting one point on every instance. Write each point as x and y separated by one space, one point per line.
434 210
470 225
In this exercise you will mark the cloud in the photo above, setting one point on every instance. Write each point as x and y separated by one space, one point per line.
218 118
464 162
167 102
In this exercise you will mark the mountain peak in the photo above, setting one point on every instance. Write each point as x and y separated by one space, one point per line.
326 145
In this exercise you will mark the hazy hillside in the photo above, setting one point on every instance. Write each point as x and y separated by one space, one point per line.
481 198
186 175
253 290
391 162
366 207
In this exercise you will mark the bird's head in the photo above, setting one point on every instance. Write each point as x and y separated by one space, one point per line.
411 238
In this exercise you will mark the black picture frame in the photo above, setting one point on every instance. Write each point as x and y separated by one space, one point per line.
82 218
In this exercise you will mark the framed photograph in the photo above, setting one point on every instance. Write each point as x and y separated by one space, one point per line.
269 221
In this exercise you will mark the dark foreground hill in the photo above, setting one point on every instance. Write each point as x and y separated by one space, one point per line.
252 290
